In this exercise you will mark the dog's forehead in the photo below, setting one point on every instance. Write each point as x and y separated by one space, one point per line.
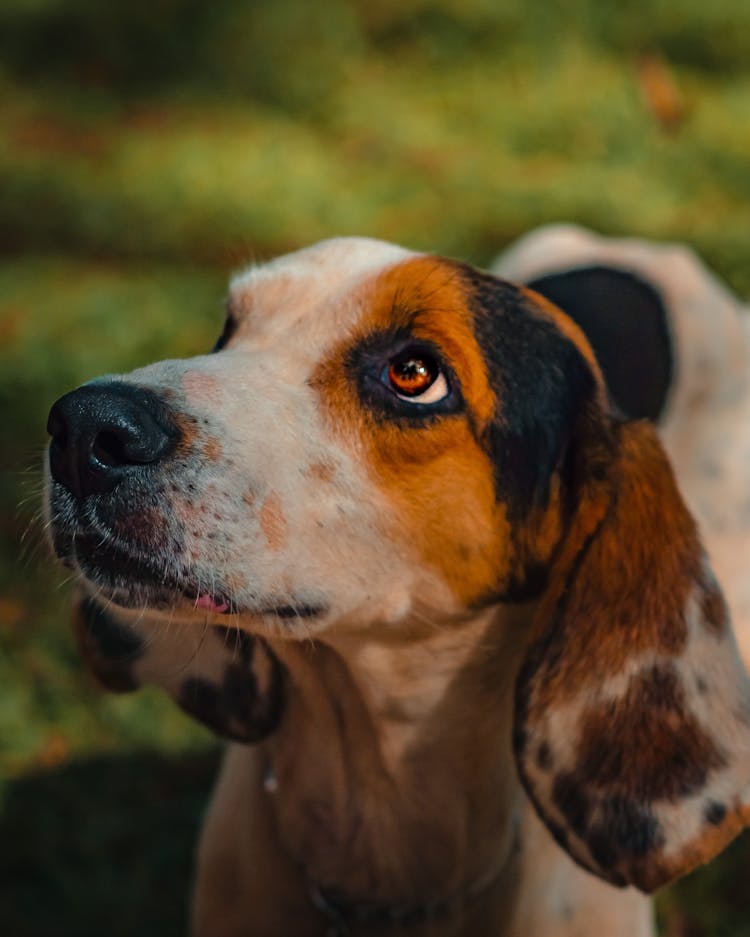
310 286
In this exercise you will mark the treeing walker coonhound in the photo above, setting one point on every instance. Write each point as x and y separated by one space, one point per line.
416 548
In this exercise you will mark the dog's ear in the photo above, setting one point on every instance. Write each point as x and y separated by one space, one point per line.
223 677
632 722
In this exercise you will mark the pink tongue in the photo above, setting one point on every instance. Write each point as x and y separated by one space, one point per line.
210 603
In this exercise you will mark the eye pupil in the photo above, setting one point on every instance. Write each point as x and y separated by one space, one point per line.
412 375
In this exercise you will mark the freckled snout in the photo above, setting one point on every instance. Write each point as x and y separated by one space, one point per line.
105 432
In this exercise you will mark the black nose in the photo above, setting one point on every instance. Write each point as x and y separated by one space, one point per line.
102 433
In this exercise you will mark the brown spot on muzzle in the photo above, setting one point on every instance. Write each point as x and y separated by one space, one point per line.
321 471
212 449
273 523
201 389
188 427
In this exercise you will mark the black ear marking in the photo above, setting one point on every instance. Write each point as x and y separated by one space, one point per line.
114 640
542 382
626 322
108 646
245 706
714 812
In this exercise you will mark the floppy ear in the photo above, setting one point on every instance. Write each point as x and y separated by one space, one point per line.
632 722
224 677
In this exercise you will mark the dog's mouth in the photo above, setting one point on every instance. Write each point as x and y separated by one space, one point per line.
132 580
137 562
131 560
145 569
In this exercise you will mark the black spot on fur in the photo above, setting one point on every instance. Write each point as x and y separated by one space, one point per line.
114 640
634 830
544 759
236 641
626 323
542 383
714 812
202 699
237 708
570 799
602 848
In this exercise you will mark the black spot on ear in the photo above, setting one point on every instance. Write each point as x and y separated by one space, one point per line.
633 830
202 699
257 712
570 799
114 640
238 708
236 640
714 812
544 759
626 323
542 382
602 848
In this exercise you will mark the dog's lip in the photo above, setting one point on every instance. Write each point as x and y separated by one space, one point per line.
182 588
95 560
301 610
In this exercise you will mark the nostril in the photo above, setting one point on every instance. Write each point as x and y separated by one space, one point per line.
109 449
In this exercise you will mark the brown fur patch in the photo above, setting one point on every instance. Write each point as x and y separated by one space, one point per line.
623 578
188 427
437 475
212 449
201 389
273 523
661 751
321 471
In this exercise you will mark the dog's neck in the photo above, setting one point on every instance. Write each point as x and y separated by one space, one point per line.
391 776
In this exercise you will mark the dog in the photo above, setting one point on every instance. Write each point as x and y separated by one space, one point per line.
409 539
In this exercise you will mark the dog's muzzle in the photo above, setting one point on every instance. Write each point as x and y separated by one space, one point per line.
105 432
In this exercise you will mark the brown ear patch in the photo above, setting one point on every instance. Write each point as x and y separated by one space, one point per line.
603 584
632 687
662 750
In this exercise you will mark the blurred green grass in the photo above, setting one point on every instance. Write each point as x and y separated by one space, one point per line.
149 149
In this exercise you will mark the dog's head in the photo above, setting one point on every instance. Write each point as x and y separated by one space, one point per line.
386 440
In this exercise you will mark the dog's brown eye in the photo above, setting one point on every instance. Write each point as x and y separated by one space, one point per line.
416 376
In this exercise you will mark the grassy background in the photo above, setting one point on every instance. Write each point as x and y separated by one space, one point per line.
149 148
